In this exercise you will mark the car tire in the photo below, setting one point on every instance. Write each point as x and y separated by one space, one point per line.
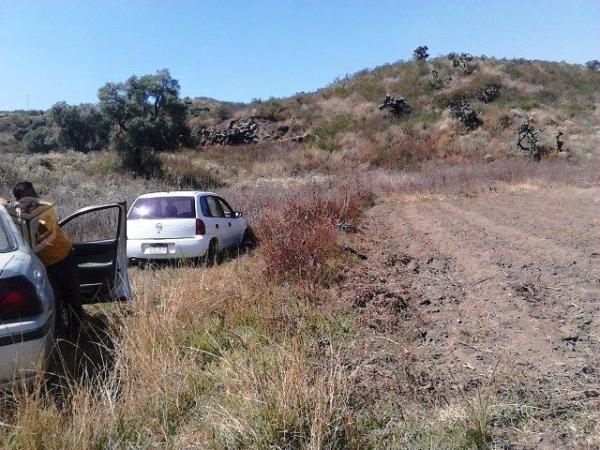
249 240
212 254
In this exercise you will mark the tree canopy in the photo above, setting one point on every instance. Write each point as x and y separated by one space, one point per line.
81 127
594 64
148 116
420 53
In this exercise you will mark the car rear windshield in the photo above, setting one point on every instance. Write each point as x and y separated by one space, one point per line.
7 243
163 208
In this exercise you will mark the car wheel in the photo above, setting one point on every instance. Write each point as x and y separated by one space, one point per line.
249 240
211 257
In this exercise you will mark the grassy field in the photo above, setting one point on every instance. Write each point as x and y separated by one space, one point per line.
267 351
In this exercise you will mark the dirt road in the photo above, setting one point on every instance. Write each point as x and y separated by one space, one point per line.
500 285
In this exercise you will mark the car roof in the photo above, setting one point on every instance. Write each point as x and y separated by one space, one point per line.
175 194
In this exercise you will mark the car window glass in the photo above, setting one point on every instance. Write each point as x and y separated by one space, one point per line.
204 207
163 208
227 211
214 208
101 225
6 242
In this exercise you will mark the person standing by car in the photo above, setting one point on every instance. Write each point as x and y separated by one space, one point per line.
57 256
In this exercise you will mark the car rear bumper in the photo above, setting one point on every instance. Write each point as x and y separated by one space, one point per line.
24 353
142 249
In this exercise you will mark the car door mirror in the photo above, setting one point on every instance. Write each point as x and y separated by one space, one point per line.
237 214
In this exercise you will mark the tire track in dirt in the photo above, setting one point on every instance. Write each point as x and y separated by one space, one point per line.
562 215
566 280
488 312
461 294
525 228
486 292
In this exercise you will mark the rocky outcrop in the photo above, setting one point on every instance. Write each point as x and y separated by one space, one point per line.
242 131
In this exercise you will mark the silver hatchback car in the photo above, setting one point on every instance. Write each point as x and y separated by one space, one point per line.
27 305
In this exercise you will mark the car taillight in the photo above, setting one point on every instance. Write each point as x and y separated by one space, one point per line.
200 227
18 299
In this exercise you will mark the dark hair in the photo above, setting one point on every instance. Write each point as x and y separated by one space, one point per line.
20 190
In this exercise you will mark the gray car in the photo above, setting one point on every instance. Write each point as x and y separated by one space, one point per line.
27 305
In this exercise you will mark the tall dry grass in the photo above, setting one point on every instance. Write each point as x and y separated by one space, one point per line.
473 177
224 357
250 354
218 358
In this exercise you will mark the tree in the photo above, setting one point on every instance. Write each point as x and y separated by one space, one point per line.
527 140
559 142
420 53
461 109
488 94
593 65
436 82
148 117
81 127
461 60
396 105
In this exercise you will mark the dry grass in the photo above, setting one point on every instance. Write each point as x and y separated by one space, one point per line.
225 357
250 354
218 358
474 177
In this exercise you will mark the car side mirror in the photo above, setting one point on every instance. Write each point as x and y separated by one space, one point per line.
237 214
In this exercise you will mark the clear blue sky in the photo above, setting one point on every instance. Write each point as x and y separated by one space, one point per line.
238 50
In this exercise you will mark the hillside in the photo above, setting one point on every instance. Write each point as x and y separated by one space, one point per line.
341 124
343 119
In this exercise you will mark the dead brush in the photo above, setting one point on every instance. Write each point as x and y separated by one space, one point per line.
477 177
298 236
297 239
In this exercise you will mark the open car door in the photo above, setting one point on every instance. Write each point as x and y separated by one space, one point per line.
99 234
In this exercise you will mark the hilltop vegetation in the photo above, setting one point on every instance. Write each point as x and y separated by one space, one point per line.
460 108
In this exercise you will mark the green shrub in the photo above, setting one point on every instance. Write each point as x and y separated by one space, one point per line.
82 128
38 141
326 134
223 113
547 96
37 122
8 175
272 109
579 107
186 175
527 104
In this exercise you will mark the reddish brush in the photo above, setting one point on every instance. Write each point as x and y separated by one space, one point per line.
298 236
